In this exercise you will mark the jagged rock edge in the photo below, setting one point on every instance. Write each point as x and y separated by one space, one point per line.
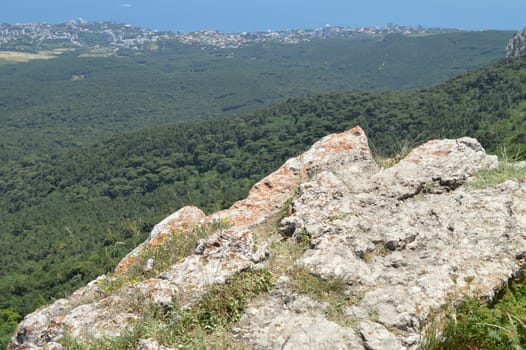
302 170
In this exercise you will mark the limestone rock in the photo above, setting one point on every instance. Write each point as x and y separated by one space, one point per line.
291 321
224 253
377 337
150 344
406 240
184 218
410 238
435 167
517 45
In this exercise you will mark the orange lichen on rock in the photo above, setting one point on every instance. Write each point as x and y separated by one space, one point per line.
268 195
340 142
265 197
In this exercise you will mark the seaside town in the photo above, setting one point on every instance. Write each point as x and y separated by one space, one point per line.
83 34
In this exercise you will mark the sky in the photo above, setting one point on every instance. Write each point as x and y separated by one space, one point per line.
256 15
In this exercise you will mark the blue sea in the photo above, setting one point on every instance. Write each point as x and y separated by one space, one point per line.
253 15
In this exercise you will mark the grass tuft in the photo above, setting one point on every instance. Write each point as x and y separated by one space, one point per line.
174 247
331 291
402 150
202 326
491 177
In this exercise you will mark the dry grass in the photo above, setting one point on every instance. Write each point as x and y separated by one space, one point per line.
507 170
205 325
19 57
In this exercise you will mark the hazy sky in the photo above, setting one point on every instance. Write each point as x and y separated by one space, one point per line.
252 15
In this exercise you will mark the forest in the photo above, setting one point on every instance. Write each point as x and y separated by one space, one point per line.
83 97
71 211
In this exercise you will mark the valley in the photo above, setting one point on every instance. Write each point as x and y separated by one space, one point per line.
96 150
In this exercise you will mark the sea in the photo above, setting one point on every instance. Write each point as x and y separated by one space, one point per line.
260 15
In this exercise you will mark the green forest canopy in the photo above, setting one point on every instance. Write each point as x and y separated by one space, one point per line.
72 207
72 215
75 100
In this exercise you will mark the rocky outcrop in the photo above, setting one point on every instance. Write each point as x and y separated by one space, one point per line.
405 240
517 45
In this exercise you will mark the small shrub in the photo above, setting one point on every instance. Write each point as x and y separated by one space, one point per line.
476 325
287 206
303 238
304 282
223 304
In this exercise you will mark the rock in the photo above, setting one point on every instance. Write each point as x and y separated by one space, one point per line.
299 324
377 337
53 346
517 45
150 344
410 238
435 167
149 264
405 241
183 219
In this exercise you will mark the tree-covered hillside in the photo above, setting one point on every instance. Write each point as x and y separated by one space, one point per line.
69 216
80 97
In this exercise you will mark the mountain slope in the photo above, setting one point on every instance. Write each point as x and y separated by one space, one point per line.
85 209
329 251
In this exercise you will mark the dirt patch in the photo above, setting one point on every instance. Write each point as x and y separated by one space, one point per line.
16 56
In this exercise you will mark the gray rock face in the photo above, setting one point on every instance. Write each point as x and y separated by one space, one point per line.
290 321
377 337
406 241
517 45
149 344
411 238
